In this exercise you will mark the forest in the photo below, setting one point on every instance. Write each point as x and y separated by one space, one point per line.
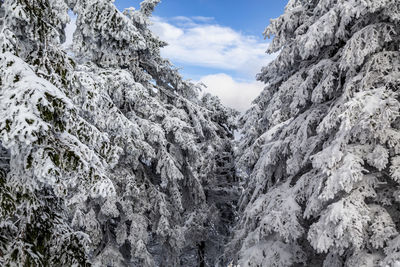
109 156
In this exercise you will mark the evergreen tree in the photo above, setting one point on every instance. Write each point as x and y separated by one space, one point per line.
320 153
42 157
108 152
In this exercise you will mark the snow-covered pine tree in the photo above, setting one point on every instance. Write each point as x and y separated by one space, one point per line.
107 141
42 158
320 153
170 139
222 194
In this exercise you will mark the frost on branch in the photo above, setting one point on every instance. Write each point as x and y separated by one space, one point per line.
108 156
324 133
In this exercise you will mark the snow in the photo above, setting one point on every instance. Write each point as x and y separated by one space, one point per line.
112 157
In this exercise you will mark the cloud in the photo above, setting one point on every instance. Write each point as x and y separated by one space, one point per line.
184 22
235 94
200 42
197 42
203 19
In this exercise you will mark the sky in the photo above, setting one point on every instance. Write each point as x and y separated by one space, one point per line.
216 42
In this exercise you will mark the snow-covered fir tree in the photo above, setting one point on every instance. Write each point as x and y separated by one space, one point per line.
41 159
108 157
320 155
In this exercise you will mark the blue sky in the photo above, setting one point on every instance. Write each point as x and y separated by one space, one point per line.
216 42
250 16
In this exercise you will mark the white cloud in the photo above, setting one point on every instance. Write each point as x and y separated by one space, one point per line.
198 41
173 33
203 19
195 42
238 95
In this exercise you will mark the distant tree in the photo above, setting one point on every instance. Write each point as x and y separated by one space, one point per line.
108 151
319 158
